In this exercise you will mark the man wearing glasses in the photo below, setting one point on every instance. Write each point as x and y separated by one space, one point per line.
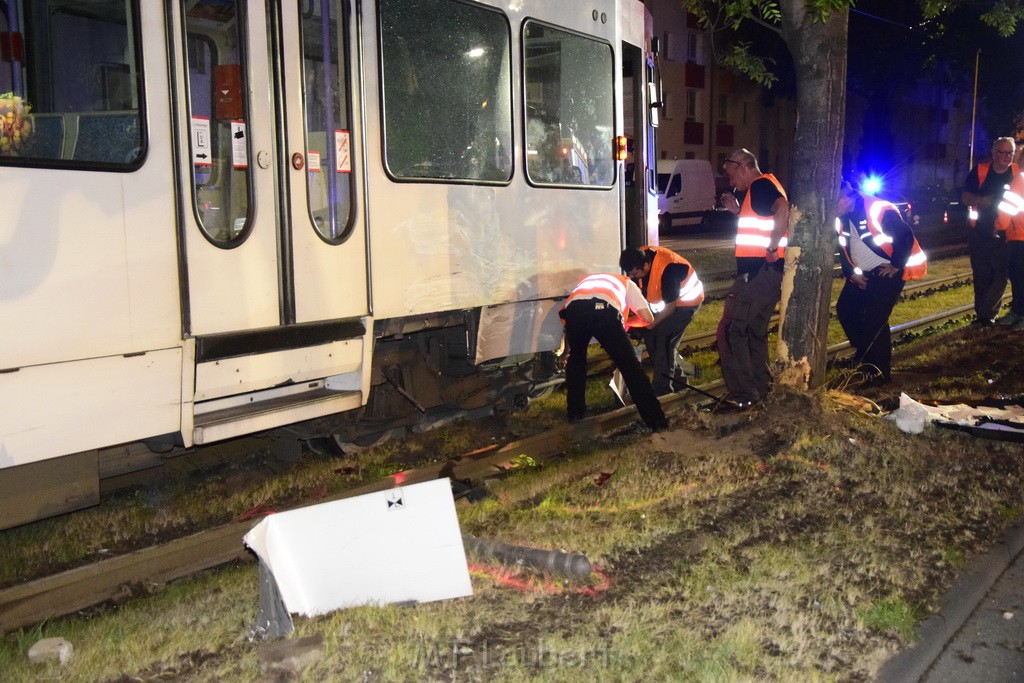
763 210
983 189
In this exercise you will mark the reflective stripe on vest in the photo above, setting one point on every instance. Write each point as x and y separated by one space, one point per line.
753 231
610 285
1012 203
691 290
972 211
872 234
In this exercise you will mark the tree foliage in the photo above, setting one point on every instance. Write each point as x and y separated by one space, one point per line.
815 34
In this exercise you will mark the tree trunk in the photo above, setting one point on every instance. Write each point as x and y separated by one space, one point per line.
819 54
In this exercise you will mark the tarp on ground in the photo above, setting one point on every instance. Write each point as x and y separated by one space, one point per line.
1001 419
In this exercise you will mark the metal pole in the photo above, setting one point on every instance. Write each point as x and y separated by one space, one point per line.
14 27
974 107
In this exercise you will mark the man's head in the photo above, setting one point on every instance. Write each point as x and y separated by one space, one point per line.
741 167
847 199
634 263
1002 153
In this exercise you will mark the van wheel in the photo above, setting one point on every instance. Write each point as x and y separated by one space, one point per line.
664 222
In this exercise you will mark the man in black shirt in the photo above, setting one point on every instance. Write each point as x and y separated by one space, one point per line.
983 188
763 222
675 293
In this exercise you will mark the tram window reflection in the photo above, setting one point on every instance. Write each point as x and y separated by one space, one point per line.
447 91
568 81
70 94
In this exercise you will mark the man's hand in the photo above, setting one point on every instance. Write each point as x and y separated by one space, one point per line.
730 203
859 280
888 270
771 255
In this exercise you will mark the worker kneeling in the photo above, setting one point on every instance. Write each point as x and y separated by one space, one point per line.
670 284
595 308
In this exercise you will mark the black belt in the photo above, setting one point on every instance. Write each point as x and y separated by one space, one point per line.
594 305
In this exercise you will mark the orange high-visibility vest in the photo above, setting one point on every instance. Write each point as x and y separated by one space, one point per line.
691 290
1011 210
972 211
873 235
754 232
609 287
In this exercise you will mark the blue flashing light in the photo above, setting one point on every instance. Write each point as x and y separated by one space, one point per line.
872 185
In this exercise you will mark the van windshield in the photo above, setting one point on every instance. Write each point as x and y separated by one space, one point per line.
663 182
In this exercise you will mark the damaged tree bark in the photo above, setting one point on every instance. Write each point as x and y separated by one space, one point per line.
819 52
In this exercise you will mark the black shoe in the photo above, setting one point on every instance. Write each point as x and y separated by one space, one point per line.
983 322
729 406
847 363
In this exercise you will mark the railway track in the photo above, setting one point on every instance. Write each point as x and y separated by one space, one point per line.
704 340
84 587
717 283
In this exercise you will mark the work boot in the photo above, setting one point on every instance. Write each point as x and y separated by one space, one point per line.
1008 320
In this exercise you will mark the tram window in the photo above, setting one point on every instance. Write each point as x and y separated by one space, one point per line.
447 85
568 81
327 115
71 85
218 111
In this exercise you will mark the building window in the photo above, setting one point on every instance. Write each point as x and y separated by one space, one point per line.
691 104
666 104
746 113
666 45
723 108
691 47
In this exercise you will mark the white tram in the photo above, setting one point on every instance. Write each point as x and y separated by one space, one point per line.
221 217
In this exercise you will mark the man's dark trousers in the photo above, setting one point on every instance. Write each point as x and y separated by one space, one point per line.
1016 273
864 315
989 259
586 318
662 342
742 334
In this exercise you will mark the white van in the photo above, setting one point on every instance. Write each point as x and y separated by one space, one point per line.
686 192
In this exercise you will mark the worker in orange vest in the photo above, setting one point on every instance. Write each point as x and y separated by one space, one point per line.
878 253
596 308
763 223
989 255
1010 222
675 293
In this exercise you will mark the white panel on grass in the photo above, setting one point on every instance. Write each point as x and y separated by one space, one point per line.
399 545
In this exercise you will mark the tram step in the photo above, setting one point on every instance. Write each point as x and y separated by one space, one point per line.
255 413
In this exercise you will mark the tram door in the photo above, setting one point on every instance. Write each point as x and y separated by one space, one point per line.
268 171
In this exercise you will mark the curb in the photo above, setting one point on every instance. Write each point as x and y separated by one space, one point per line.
963 598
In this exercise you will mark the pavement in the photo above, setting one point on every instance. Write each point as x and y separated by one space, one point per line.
978 634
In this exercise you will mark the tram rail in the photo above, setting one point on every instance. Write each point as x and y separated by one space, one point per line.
84 587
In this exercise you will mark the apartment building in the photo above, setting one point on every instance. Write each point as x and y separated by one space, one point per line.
709 110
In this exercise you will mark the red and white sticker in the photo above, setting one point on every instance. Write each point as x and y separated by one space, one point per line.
341 149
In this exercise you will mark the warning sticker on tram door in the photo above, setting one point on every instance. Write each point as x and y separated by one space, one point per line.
239 145
341 148
202 149
313 160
